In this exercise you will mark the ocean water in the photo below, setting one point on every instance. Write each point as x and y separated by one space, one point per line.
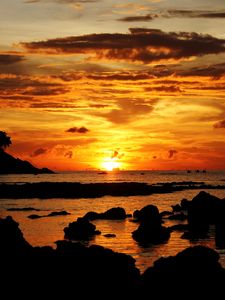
45 231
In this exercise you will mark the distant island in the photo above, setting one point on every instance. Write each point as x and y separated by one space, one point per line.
12 165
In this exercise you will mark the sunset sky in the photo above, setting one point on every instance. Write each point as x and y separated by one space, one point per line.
90 82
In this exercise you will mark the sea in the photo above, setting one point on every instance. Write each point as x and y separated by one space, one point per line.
47 230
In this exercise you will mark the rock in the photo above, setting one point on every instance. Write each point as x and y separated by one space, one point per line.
150 229
58 213
91 216
166 213
202 211
179 216
176 208
82 229
115 213
195 270
109 235
179 227
11 237
34 216
149 212
185 204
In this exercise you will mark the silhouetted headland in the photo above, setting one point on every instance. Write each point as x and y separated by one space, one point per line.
11 165
77 190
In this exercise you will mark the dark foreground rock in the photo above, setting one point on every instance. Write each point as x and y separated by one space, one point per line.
70 269
194 271
74 269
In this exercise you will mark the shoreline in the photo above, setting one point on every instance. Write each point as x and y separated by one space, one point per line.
47 190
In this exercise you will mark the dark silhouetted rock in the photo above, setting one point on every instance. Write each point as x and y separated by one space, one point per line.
52 214
150 229
195 270
166 213
92 271
34 216
179 216
185 204
82 229
179 227
58 213
11 237
109 235
91 216
202 211
176 208
149 212
115 213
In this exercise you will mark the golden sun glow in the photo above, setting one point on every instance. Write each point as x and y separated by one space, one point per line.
111 165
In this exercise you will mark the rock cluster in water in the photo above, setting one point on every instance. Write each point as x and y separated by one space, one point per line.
73 268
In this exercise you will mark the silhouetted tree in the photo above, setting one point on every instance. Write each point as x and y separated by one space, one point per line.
5 140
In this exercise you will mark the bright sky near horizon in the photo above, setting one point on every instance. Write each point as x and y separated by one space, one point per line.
103 84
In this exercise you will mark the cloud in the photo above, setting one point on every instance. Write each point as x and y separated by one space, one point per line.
115 154
143 18
219 124
140 45
8 59
194 14
171 153
164 88
22 84
69 154
61 1
77 130
45 91
122 75
38 152
128 110
216 71
100 106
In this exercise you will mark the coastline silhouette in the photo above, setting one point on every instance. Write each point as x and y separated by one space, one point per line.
11 165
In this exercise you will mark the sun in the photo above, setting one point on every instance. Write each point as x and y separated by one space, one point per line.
111 165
